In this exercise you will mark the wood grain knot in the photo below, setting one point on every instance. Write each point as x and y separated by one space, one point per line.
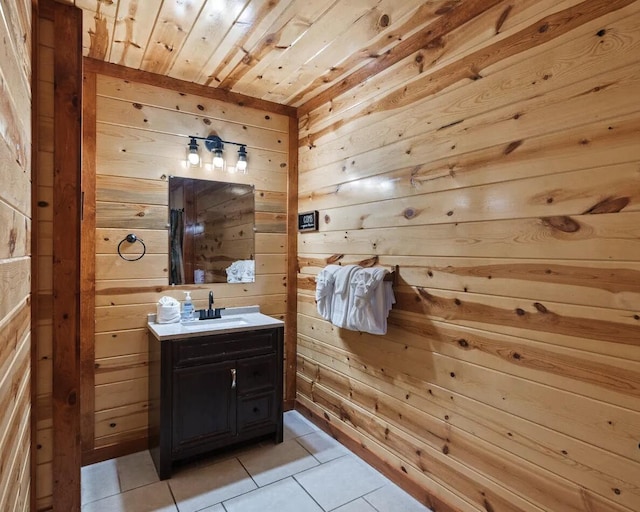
334 258
463 343
487 506
384 20
520 312
512 147
609 205
409 213
72 398
13 237
445 449
137 106
540 307
561 223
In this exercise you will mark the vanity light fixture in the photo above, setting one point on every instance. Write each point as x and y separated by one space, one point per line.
215 145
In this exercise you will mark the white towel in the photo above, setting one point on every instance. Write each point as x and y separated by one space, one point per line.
342 295
372 301
324 290
241 271
167 310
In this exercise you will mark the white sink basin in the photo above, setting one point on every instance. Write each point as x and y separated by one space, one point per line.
213 323
233 319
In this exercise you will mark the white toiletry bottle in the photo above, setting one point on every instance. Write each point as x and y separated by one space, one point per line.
187 307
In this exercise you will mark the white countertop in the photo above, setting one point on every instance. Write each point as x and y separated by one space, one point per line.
232 320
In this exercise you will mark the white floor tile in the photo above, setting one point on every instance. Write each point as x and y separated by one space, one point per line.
197 488
150 498
283 496
215 508
136 470
99 481
358 505
322 446
391 498
340 481
269 463
296 425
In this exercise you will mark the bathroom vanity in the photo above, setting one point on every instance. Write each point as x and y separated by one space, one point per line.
213 383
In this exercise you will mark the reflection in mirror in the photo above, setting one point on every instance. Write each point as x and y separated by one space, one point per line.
211 226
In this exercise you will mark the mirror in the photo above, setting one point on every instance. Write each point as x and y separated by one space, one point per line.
211 226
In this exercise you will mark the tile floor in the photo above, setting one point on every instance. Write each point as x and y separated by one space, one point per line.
308 472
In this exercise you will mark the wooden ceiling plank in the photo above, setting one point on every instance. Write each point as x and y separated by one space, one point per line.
172 27
98 20
332 44
105 68
443 25
402 29
207 34
293 25
251 25
133 26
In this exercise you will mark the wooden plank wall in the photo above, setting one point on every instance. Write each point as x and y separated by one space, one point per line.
44 236
499 167
15 255
141 141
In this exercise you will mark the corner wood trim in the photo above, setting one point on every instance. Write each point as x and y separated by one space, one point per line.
66 264
291 319
393 474
145 77
88 263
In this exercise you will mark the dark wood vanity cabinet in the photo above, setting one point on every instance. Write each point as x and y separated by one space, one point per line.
213 391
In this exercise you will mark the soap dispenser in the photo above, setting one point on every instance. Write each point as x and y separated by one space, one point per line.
187 307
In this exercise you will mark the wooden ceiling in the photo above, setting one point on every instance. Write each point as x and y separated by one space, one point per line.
284 51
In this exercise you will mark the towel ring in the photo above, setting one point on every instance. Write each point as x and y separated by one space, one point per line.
132 239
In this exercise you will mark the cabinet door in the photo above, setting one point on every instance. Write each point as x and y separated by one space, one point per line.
203 404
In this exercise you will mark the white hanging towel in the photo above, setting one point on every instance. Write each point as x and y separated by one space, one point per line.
342 295
372 301
324 290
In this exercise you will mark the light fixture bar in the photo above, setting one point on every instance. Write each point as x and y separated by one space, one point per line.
215 145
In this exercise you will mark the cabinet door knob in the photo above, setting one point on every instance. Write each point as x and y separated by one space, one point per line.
233 378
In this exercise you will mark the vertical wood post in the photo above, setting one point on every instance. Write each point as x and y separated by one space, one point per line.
291 320
88 263
66 257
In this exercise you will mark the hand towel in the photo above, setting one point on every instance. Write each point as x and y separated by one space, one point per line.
342 295
372 301
324 290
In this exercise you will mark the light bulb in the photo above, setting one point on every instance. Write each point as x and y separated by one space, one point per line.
218 161
193 157
241 165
